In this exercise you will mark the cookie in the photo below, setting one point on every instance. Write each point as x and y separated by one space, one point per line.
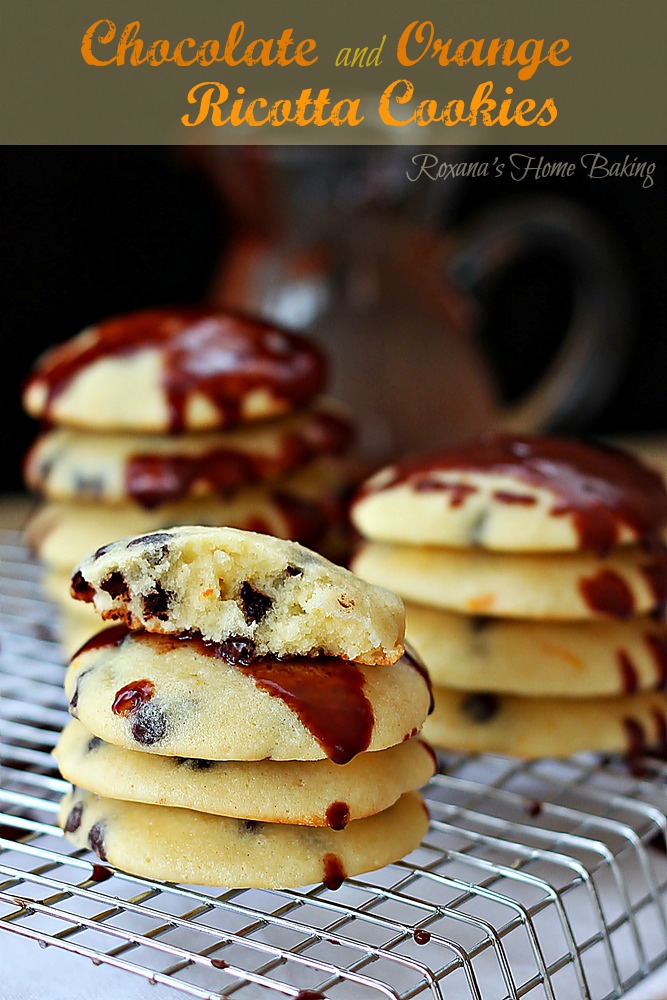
566 586
189 698
310 793
174 370
571 660
267 594
179 845
301 507
478 722
515 494
147 470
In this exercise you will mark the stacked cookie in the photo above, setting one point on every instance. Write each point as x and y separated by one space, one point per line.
253 720
536 581
179 416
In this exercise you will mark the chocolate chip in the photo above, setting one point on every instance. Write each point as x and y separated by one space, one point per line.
478 528
157 537
255 604
73 821
115 585
75 697
478 623
236 649
481 707
156 604
248 825
81 589
148 723
93 743
96 841
194 763
88 485
102 551
293 571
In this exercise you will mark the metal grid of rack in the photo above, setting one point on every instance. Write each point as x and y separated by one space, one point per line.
540 880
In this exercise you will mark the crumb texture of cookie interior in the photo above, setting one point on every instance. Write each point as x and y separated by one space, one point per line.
515 494
146 372
189 698
180 845
547 727
539 658
573 586
299 506
151 470
268 595
309 793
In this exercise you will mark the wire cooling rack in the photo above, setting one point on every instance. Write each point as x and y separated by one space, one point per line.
541 879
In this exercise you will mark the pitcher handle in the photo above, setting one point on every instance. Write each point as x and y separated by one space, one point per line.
576 384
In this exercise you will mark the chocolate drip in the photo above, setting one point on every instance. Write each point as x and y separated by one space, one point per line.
660 720
657 643
629 676
334 873
636 743
327 695
655 573
458 492
607 593
338 815
100 873
521 499
219 963
105 639
600 488
221 356
421 936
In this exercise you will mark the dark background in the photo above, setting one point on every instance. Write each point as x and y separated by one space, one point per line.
90 231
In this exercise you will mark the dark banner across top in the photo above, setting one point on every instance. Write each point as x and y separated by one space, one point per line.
353 71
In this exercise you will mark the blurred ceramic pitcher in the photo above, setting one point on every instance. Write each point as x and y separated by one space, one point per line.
340 243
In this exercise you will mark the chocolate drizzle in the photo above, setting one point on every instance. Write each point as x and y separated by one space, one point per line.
221 356
600 488
326 694
607 593
629 676
153 479
334 873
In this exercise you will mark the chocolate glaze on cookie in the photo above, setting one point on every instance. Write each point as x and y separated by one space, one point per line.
600 488
325 693
154 479
221 356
